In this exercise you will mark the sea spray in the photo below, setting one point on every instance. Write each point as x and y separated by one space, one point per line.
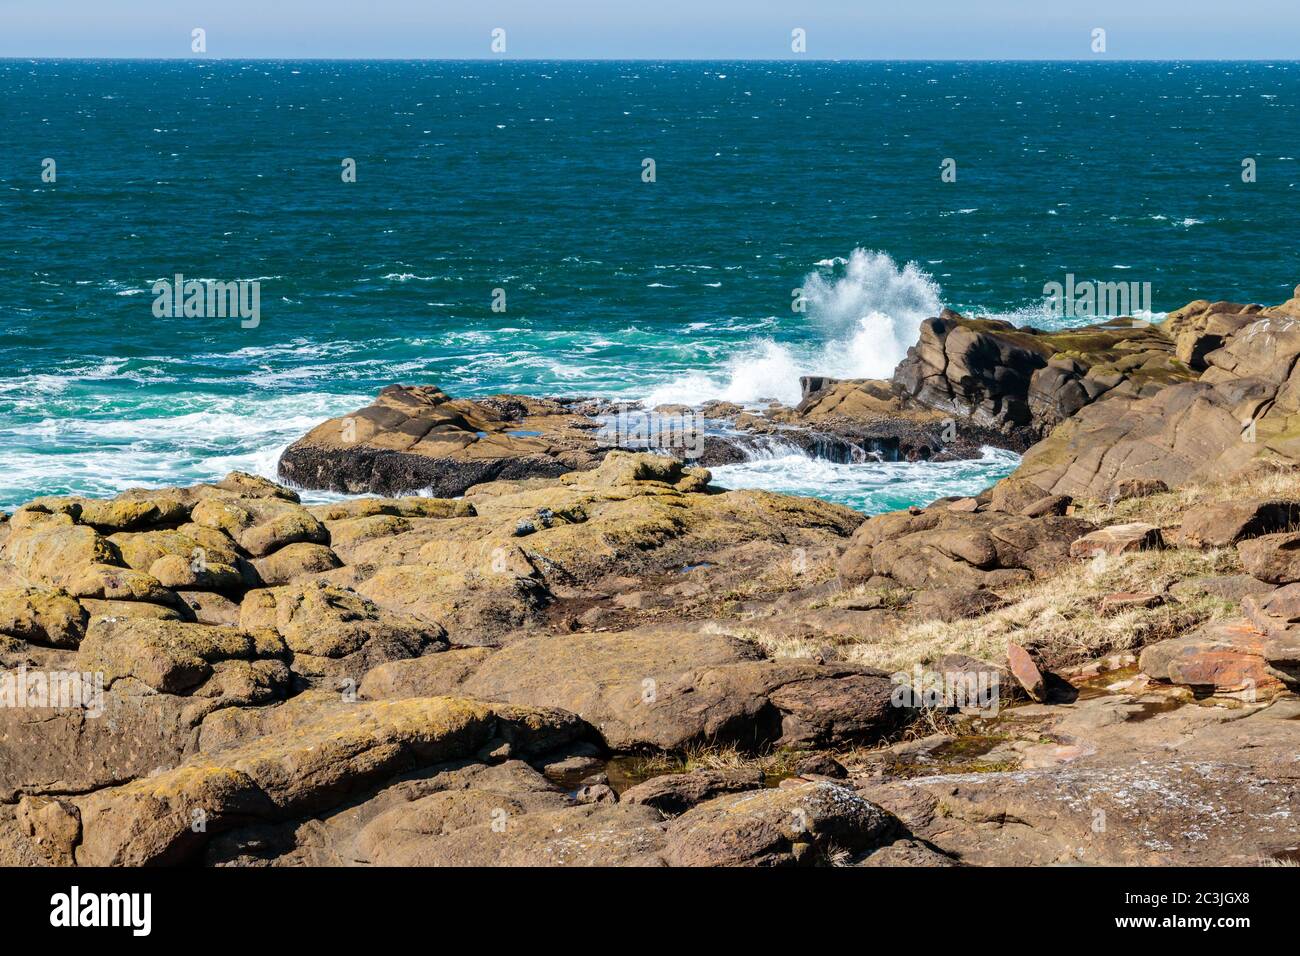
866 311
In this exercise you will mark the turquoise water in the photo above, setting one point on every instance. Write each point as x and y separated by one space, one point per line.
527 177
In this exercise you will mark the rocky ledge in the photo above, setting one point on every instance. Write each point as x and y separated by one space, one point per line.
595 656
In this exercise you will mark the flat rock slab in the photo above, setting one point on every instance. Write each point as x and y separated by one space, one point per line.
1118 539
414 438
1225 524
1227 658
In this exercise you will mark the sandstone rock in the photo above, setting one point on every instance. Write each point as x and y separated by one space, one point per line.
175 571
295 561
619 683
944 549
429 676
336 633
54 826
117 733
600 834
1226 523
1026 672
1274 558
260 525
1048 505
311 754
105 582
954 604
1225 658
836 710
211 608
169 656
674 793
1118 539
42 616
130 609
409 507
192 543
414 438
1227 587
1275 611
1241 411
244 485
776 827
1023 381
53 551
1138 488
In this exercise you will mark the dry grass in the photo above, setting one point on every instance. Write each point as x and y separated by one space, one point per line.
1062 613
1171 507
709 756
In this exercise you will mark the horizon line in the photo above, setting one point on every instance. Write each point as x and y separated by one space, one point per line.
665 59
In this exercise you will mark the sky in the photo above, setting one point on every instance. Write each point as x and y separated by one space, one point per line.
654 29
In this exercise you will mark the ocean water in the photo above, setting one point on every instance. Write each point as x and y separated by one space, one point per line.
527 177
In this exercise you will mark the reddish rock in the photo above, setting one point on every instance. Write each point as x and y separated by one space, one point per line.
1118 539
1139 488
1224 524
1026 671
1057 505
1274 558
1224 658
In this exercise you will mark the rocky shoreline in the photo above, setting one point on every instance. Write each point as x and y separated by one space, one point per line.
560 649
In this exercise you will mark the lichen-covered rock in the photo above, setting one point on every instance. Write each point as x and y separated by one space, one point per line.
52 550
294 561
415 438
171 657
42 616
260 525
336 633
939 548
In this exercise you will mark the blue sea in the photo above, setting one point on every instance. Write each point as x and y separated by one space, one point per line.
527 177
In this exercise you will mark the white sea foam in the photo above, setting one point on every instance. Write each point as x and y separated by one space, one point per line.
871 486
866 311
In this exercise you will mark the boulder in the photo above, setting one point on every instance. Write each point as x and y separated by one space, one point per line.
1274 558
937 549
295 561
335 633
51 550
1222 524
42 616
1023 381
1226 658
674 793
260 526
954 604
416 437
1118 539
170 656
1026 671
778 827
1242 411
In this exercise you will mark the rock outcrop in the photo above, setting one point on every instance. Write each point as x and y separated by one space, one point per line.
414 438
1241 411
